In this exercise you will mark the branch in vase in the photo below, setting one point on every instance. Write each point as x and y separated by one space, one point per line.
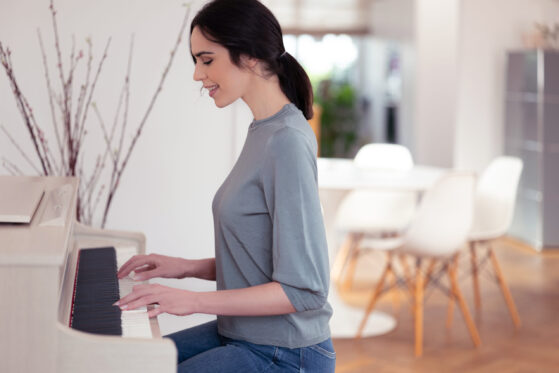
81 126
113 187
83 90
126 90
6 62
69 122
19 149
11 167
51 95
64 107
106 137
46 154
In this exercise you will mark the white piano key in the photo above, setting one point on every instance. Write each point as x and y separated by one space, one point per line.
123 253
135 323
125 287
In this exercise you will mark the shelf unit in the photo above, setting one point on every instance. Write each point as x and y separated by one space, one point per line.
532 134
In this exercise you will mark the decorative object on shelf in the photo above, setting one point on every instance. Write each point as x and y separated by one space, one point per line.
69 117
542 36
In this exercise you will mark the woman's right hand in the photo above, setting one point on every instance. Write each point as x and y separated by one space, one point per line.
154 265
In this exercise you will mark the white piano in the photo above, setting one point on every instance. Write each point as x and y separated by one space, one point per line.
37 276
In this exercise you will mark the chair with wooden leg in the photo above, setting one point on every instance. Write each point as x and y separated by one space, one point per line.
372 217
437 232
494 209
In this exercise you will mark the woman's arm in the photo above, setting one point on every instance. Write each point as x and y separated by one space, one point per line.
260 300
155 265
200 268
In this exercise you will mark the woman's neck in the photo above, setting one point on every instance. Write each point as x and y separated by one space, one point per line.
265 97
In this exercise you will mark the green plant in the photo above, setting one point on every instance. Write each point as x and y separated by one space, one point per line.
339 119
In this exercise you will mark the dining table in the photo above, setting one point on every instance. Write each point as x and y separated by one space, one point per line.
336 178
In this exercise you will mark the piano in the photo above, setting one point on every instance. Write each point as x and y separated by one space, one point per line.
39 285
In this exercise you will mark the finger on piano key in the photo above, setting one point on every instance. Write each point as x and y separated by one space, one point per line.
125 287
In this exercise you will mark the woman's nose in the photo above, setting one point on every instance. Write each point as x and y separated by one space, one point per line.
198 73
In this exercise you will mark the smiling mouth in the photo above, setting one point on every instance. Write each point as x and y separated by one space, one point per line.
212 89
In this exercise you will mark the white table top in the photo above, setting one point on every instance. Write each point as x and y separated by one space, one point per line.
342 174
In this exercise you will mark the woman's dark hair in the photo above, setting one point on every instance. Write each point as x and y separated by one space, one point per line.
247 27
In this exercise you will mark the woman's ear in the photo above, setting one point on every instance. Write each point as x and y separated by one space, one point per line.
249 62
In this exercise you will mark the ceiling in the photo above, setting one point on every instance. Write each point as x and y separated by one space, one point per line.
320 17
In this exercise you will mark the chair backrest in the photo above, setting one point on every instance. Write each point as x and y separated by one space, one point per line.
443 219
496 198
376 211
378 156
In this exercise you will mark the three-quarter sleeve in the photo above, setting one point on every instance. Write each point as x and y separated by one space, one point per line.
299 249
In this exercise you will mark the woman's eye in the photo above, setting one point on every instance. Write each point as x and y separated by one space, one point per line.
207 62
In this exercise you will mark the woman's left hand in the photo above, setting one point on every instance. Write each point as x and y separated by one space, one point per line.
174 301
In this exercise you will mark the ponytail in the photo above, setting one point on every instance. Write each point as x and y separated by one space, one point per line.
247 27
295 84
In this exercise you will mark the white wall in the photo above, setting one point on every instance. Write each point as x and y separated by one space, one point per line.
454 66
436 34
487 30
373 64
392 24
393 19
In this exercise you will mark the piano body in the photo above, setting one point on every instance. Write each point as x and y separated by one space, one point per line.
37 278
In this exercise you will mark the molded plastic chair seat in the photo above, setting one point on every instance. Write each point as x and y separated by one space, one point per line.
373 213
494 210
376 211
496 198
437 232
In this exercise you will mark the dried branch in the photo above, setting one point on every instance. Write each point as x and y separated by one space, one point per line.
114 186
65 107
51 95
83 90
5 60
69 119
20 150
46 154
106 136
126 89
11 167
81 133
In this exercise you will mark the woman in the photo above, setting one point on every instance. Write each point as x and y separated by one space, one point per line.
271 261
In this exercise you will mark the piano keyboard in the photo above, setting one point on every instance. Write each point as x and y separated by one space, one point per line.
97 288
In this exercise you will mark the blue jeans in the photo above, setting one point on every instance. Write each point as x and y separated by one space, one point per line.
202 349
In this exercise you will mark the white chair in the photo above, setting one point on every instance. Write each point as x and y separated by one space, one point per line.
494 210
379 156
438 230
370 216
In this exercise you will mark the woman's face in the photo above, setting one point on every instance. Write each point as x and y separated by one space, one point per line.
224 81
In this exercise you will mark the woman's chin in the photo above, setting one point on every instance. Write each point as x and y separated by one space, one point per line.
222 103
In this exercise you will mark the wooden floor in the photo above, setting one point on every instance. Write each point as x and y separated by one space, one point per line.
533 279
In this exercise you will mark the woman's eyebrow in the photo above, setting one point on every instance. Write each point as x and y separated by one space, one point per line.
202 53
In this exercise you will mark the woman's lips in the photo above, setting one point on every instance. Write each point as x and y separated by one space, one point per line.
212 89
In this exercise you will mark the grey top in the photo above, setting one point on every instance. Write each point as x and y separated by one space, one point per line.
268 227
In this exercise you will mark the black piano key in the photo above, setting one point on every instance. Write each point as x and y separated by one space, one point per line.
95 293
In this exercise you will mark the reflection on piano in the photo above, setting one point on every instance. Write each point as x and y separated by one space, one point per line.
46 307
